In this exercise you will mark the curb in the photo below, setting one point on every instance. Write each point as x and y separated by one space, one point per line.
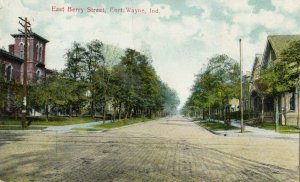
211 131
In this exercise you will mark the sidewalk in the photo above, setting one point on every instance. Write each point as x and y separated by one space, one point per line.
70 127
254 131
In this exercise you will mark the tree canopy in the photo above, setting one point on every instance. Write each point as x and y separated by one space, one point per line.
215 86
102 79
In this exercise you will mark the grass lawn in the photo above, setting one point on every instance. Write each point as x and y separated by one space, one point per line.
286 129
216 126
197 119
121 123
14 127
53 121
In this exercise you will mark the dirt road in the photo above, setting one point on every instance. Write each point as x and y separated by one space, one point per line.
171 149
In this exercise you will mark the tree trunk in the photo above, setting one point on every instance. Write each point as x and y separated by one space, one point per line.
47 112
114 113
224 113
143 115
200 113
262 109
208 112
70 110
130 113
120 111
276 114
284 109
104 113
227 116
92 109
126 114
298 105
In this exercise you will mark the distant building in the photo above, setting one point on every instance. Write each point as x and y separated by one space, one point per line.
12 61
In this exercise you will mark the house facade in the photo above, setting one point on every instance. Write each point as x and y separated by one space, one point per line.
262 104
12 62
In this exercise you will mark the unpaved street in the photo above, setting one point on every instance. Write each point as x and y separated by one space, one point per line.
171 149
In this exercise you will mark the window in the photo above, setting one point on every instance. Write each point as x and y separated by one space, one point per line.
8 73
40 54
39 76
21 50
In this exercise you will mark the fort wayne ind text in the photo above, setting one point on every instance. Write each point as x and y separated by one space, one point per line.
70 9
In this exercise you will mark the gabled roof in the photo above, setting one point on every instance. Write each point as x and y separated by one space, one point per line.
10 56
281 42
31 35
257 62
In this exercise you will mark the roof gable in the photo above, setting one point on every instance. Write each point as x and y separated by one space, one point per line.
257 63
281 42
11 56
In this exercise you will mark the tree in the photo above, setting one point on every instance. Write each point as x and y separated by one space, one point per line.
214 87
112 56
167 101
75 73
137 89
92 64
57 91
290 59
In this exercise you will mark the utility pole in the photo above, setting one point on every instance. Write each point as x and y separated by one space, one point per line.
241 99
298 98
26 32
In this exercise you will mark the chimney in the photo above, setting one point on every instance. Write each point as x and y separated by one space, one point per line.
11 48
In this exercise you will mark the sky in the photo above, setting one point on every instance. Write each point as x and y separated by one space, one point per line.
181 37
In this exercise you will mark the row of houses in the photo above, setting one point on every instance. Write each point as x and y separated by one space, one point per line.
260 105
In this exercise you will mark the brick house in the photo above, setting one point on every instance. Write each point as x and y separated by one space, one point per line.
12 61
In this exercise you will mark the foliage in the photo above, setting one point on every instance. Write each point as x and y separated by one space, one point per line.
282 74
214 87
98 79
51 121
8 127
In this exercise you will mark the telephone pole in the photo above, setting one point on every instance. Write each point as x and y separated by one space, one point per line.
241 99
26 32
